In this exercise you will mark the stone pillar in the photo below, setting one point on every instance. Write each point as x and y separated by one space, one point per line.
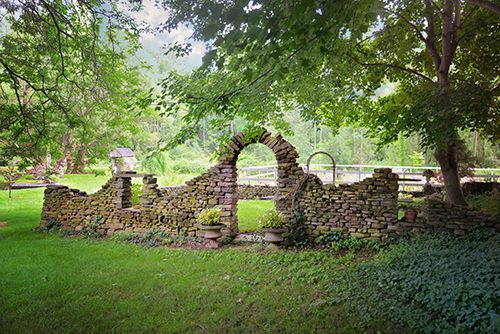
149 190
123 194
228 198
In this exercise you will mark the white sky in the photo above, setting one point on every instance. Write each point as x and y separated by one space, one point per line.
153 43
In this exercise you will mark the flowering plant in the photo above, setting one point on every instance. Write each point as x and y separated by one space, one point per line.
272 219
210 216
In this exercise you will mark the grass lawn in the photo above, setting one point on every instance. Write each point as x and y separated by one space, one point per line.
51 284
249 212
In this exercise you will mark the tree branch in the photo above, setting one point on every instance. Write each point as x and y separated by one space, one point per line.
394 66
431 35
417 30
487 5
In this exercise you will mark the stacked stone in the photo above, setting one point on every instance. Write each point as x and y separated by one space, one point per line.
362 210
123 197
54 200
247 191
171 190
150 191
367 209
456 219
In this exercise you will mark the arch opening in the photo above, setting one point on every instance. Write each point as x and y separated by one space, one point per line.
288 174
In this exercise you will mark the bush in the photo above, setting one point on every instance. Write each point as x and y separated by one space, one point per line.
210 216
297 236
337 241
272 218
486 203
123 236
188 167
154 238
433 284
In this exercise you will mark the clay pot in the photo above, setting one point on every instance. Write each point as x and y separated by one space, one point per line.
274 236
411 215
212 232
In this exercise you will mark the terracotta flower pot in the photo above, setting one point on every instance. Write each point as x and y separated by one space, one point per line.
274 236
411 215
212 232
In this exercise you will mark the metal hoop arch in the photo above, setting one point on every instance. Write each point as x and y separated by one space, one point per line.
328 155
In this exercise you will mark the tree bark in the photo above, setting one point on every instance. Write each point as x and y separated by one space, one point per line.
39 171
448 161
70 164
81 161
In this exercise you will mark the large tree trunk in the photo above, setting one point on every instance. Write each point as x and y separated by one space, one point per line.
81 160
446 153
448 161
70 164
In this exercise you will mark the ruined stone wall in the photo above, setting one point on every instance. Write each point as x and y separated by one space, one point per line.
247 191
363 209
367 209
439 216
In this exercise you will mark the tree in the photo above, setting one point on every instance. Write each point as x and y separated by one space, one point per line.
64 78
11 173
330 59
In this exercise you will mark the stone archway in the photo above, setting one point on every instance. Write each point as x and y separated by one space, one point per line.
289 173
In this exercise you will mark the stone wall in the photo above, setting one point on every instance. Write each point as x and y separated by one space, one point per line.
173 209
363 209
439 216
479 188
367 209
247 191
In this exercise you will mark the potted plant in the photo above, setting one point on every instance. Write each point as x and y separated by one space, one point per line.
209 222
273 226
411 215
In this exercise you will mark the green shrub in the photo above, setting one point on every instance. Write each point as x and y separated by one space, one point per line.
297 236
122 236
136 193
486 203
156 238
210 216
156 163
433 284
51 226
188 167
272 218
337 241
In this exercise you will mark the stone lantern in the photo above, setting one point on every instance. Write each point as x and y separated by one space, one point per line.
122 160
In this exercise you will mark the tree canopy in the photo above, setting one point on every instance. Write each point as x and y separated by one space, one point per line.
64 77
332 60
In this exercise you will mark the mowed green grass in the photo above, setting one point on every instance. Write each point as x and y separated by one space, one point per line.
51 284
249 212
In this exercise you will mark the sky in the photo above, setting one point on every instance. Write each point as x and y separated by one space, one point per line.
153 43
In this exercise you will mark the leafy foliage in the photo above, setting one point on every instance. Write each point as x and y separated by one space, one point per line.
487 203
136 193
452 281
11 173
152 238
272 218
332 61
337 241
210 216
296 235
66 87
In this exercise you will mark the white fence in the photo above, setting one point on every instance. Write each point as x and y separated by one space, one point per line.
411 176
